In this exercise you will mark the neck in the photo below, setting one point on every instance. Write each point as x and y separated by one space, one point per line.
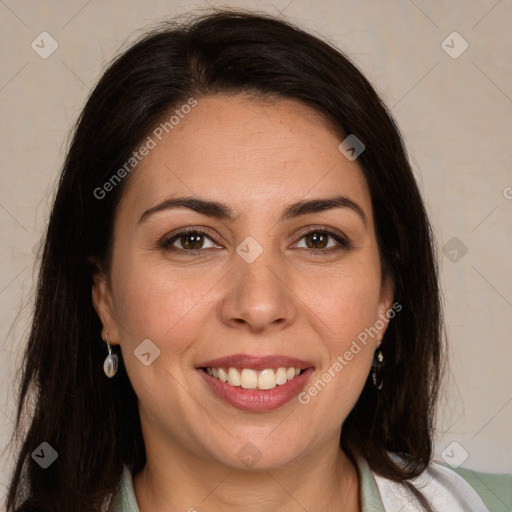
176 479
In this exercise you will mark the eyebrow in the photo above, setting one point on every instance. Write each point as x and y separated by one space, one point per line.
222 211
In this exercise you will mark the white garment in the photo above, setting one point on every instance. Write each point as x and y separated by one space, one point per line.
444 489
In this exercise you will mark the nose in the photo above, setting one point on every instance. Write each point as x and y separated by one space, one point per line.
259 296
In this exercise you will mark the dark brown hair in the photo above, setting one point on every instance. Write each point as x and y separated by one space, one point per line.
92 421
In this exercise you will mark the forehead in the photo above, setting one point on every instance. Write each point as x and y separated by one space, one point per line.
246 151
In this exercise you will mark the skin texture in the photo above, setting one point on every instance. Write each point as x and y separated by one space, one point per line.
257 157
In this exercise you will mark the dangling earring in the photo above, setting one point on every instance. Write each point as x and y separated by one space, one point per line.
111 362
377 365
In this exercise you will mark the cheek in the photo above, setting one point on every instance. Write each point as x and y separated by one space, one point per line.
345 306
154 302
345 318
346 300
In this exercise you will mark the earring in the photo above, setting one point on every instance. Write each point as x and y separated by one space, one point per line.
111 362
377 365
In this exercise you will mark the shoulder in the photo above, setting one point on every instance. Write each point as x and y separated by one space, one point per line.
494 489
459 490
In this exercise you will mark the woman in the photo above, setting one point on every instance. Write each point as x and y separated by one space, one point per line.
238 306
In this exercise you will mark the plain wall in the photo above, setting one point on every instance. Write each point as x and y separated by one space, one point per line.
455 115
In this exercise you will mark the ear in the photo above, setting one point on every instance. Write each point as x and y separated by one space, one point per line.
384 307
103 305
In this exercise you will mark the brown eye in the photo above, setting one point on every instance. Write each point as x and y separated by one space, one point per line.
318 240
192 240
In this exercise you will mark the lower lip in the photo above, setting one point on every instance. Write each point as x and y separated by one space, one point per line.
257 400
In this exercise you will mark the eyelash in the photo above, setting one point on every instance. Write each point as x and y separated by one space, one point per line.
166 243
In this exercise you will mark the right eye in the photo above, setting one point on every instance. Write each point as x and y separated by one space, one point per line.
191 241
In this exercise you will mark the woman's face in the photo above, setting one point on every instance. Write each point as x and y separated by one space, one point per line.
256 288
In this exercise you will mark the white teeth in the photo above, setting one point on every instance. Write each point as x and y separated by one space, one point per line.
266 379
248 379
281 376
233 377
252 379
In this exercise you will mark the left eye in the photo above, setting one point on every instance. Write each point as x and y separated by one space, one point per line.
190 241
318 239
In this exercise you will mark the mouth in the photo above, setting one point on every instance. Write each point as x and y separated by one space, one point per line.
254 383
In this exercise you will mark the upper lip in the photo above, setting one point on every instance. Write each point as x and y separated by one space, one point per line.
256 362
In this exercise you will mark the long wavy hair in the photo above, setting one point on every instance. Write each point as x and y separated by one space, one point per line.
93 422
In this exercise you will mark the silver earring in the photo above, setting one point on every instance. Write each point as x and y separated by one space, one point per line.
377 365
111 362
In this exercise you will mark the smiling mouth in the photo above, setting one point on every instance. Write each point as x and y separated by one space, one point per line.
248 378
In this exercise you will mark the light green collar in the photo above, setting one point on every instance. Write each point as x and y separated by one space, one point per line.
370 497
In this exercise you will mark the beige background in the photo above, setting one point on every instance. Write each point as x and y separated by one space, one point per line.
455 114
